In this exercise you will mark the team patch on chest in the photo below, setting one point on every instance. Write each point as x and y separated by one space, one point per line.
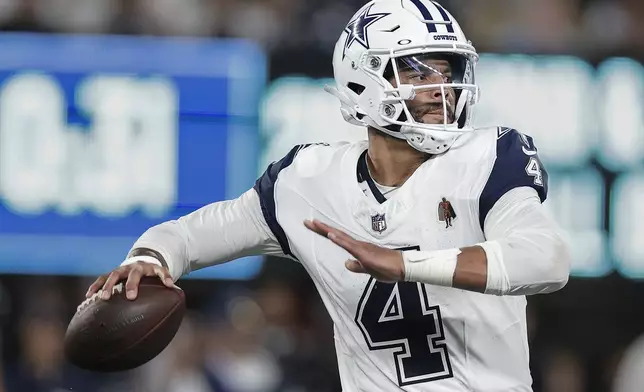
446 212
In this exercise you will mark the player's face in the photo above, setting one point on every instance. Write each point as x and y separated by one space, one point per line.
429 104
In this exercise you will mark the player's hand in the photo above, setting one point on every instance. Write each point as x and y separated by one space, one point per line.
133 273
385 265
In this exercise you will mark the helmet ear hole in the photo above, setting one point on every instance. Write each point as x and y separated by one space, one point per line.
395 127
356 88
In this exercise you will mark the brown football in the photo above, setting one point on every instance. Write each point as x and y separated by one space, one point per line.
120 334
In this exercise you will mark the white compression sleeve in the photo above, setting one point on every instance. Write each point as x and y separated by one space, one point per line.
527 252
216 233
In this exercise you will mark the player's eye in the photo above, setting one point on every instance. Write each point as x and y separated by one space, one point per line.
418 77
425 77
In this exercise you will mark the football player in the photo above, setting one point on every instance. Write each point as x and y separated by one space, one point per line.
418 304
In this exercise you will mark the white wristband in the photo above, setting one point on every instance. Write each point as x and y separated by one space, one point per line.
145 259
436 267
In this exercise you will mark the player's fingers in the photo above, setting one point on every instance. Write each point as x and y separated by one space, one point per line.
111 281
328 231
94 287
133 280
352 246
341 240
319 227
164 275
355 266
315 227
337 236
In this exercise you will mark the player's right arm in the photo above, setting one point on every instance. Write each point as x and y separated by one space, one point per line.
214 234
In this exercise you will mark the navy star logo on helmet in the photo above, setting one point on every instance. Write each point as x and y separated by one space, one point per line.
357 28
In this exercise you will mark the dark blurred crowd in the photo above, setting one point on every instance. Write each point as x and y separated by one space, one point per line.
493 25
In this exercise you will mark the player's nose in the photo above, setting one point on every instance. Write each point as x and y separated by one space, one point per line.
433 95
436 94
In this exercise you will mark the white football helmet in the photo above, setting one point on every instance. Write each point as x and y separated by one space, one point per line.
389 38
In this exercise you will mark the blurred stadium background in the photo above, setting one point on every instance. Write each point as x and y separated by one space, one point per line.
118 114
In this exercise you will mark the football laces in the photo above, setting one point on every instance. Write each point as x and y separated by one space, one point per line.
117 289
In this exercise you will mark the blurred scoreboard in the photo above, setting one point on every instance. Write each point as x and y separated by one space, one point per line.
103 137
588 123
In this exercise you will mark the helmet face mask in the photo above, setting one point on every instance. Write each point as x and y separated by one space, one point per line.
409 83
439 82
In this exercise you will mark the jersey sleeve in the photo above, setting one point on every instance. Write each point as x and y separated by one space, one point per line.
265 187
213 234
517 164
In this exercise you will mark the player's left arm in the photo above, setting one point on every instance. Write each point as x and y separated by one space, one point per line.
525 251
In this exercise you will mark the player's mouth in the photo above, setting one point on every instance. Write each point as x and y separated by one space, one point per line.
434 110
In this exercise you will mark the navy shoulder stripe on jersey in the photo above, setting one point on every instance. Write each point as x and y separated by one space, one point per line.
265 188
517 164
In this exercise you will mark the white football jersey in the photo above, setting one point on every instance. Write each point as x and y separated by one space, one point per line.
408 336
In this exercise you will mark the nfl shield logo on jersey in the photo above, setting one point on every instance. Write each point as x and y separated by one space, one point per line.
378 223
